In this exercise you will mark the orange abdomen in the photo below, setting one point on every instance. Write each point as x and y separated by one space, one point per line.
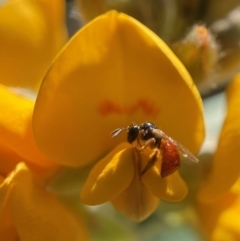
170 158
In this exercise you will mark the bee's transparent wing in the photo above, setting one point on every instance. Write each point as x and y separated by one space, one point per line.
184 151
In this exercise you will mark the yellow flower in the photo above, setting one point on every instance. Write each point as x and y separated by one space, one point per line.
32 32
226 165
16 138
219 198
118 178
112 72
220 219
28 212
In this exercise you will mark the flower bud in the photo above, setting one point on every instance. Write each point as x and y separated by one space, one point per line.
198 51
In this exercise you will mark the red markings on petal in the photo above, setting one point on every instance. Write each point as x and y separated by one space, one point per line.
147 106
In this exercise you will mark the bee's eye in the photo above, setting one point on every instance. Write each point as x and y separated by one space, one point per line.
133 133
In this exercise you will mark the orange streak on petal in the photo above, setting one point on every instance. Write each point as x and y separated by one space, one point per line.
109 107
148 107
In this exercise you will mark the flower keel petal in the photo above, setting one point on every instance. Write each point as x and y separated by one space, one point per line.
171 188
136 201
109 177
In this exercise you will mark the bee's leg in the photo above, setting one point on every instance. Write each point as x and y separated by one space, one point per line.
151 143
139 146
152 160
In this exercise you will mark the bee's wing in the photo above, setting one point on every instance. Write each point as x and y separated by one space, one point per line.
185 152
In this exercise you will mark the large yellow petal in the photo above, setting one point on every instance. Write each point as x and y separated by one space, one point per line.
38 215
16 137
110 176
112 72
226 163
32 32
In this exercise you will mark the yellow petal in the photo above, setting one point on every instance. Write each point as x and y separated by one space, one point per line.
210 213
220 219
1 178
229 222
7 229
136 201
16 137
8 160
109 177
171 188
112 72
32 32
38 215
226 163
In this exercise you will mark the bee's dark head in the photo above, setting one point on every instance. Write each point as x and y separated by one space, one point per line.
133 132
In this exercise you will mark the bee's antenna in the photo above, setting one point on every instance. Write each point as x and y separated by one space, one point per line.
117 131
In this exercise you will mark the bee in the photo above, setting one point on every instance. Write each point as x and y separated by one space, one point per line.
148 134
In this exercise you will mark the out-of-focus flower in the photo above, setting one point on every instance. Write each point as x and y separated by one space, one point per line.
28 212
32 32
16 137
112 72
220 219
218 202
24 202
198 51
226 166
